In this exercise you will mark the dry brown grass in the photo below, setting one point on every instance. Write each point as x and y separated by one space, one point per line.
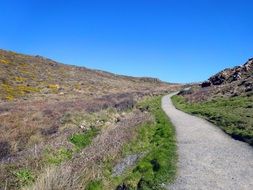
36 94
28 76
56 178
42 126
23 125
87 165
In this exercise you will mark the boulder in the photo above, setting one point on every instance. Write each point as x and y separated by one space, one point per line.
122 187
218 79
185 91
248 87
206 84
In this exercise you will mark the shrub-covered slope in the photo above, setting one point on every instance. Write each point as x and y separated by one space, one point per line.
58 121
26 76
225 99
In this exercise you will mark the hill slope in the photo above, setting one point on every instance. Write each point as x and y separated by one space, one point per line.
225 99
22 76
230 82
59 120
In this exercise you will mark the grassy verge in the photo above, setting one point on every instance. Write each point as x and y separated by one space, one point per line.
156 141
233 115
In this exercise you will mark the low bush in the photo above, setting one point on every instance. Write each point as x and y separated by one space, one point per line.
5 149
49 131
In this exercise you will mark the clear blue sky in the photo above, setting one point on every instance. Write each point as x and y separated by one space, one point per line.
174 40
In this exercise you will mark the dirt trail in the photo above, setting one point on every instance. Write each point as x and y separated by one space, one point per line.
208 158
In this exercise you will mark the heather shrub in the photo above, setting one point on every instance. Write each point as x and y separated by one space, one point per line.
5 149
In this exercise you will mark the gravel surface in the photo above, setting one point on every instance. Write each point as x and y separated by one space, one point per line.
208 158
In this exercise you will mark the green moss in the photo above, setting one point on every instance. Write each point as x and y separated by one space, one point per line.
234 115
81 140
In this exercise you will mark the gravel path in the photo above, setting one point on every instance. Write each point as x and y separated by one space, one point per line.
208 158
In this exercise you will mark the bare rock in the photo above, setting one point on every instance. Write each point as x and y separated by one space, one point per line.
122 187
124 164
206 84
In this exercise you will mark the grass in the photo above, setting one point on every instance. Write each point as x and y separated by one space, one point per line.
233 115
24 177
56 158
157 142
95 185
81 140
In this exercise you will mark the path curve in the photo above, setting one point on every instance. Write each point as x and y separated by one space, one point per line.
208 158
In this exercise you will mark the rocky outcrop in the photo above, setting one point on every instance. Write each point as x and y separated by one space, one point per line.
185 91
237 73
206 84
237 81
248 86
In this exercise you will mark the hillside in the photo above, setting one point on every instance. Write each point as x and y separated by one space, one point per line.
237 81
29 76
55 116
225 99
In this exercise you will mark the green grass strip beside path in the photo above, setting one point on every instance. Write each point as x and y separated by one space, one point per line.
157 140
234 115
